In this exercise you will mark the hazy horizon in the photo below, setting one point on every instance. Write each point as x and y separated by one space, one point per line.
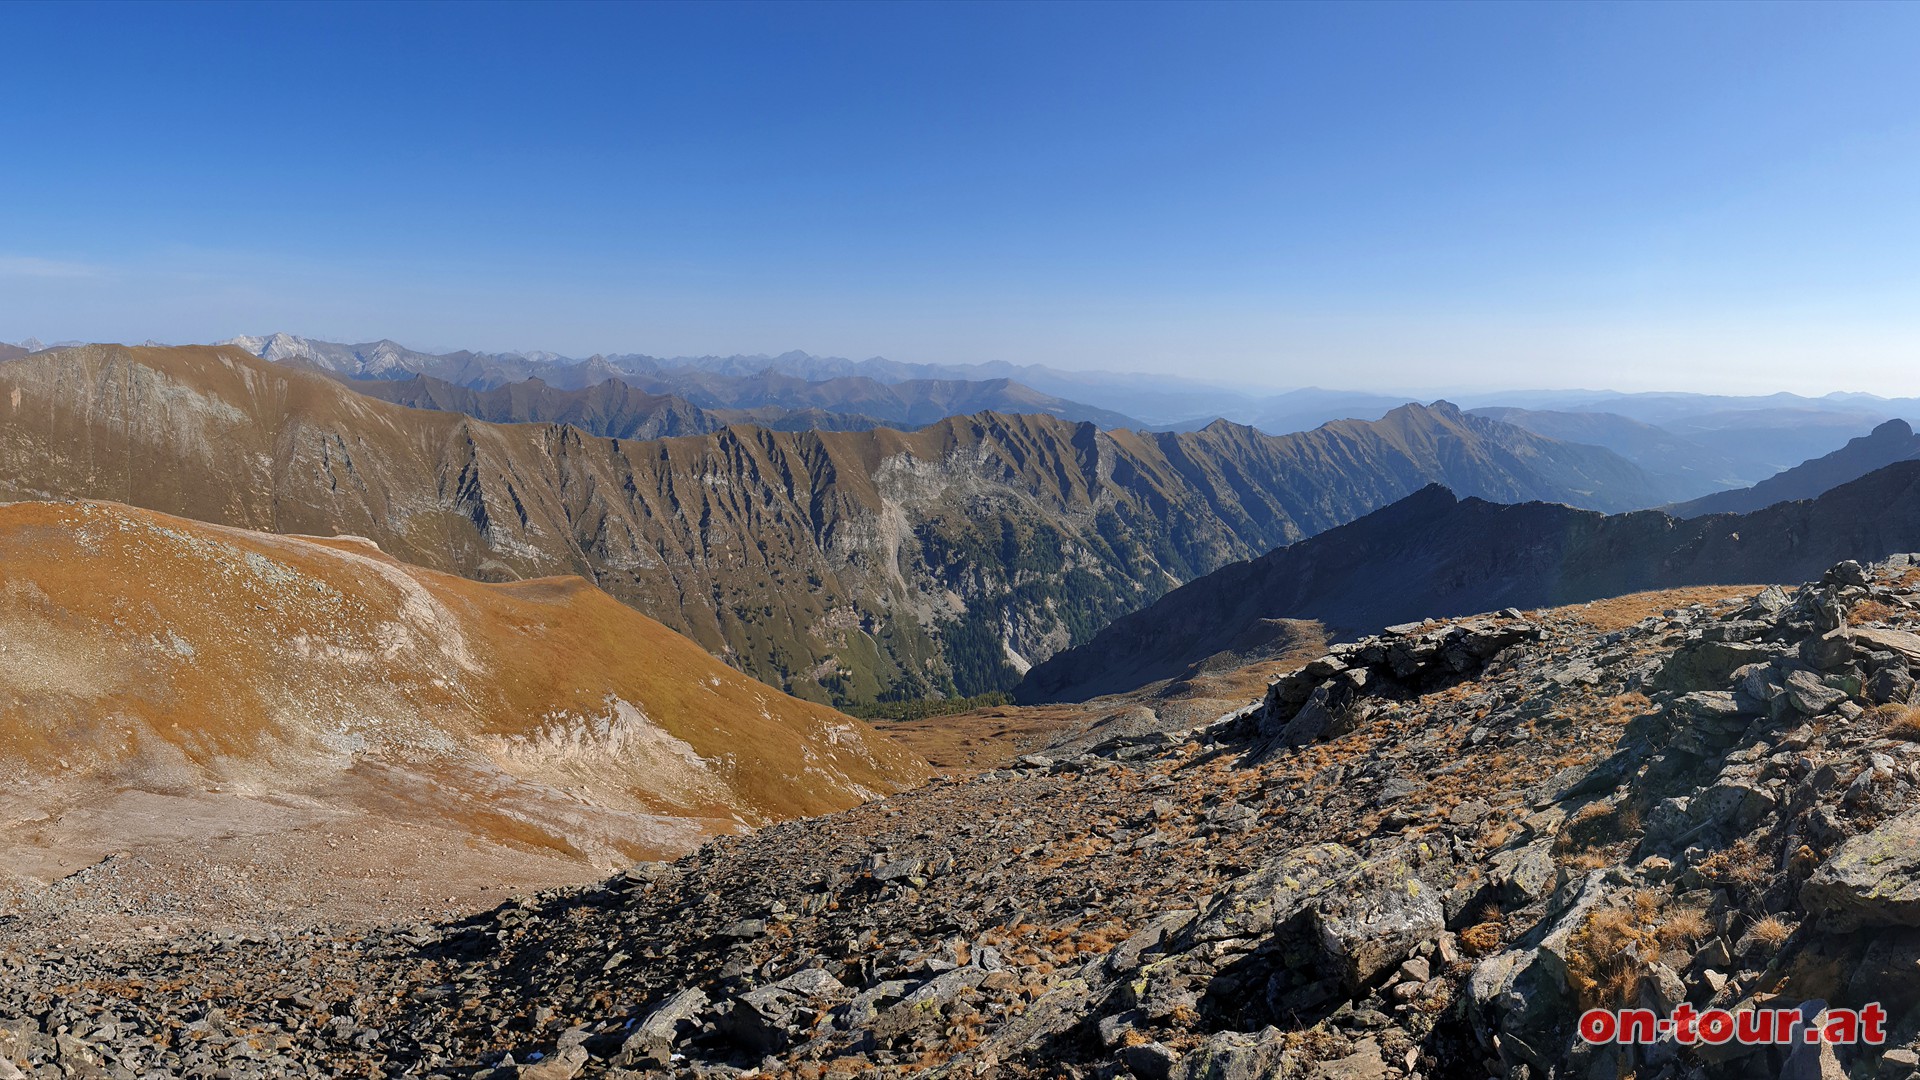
1422 394
1380 198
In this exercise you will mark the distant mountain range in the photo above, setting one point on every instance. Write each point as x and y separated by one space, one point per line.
843 566
1698 443
615 408
1434 554
1680 465
842 401
1890 442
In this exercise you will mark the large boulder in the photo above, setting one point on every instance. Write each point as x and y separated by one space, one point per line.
769 1018
1373 920
1893 641
1232 1055
652 1039
1707 665
1811 695
1522 1000
1872 880
1252 906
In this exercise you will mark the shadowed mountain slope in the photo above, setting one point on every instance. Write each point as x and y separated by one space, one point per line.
151 653
1890 442
1433 554
842 566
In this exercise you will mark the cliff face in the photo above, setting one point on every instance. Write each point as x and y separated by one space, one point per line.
1433 554
838 565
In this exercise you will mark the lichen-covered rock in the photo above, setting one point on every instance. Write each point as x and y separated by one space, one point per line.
1373 918
1872 880
1811 695
1273 894
1233 1056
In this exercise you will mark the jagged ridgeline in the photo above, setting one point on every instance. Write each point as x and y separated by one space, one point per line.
841 566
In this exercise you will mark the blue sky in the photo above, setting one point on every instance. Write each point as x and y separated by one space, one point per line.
1368 195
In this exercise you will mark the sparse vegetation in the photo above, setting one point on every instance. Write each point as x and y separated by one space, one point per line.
1772 931
1902 721
1609 955
1683 927
1481 939
1743 865
928 707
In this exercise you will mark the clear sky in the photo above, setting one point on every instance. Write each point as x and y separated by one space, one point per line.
1367 195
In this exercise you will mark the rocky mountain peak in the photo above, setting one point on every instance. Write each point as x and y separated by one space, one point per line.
1892 430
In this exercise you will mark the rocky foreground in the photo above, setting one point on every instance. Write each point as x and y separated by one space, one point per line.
1420 856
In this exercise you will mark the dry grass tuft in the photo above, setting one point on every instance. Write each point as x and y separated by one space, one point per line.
1867 611
1482 939
1772 931
1903 721
1684 926
1743 865
1609 955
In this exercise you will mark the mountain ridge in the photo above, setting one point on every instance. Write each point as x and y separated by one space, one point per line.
842 566
718 387
1435 554
1890 442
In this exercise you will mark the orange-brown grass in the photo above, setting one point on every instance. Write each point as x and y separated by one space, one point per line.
1683 927
219 645
1598 824
984 738
1481 939
1609 954
1742 865
1620 612
1903 721
1772 931
1871 610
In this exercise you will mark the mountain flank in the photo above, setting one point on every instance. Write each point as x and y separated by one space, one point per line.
841 566
1434 554
1890 442
613 408
158 669
1423 856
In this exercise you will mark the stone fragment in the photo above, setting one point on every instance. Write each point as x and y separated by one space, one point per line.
1150 1061
1811 696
